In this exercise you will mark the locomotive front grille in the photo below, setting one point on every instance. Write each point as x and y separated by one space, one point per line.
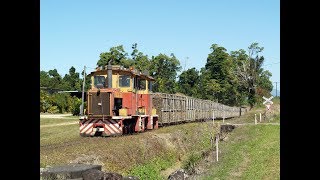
99 105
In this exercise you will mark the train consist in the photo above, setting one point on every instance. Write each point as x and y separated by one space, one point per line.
175 108
120 101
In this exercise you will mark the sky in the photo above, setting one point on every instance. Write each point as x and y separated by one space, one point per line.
75 32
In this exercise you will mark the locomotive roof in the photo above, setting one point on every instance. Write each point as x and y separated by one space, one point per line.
133 72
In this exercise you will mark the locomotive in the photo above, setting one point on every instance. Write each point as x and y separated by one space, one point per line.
120 101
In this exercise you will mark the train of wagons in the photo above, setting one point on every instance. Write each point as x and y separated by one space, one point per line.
120 101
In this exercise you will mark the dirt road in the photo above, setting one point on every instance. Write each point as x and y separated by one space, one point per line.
55 115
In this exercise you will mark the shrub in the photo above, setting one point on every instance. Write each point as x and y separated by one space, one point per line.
61 101
45 102
75 106
53 110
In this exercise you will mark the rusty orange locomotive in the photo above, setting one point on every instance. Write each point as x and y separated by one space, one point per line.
118 102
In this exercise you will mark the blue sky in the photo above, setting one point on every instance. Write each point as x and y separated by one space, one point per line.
75 32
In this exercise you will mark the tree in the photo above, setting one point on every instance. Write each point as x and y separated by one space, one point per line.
216 62
72 81
188 82
55 79
238 57
44 79
264 81
117 55
141 61
264 85
250 73
205 85
164 69
220 81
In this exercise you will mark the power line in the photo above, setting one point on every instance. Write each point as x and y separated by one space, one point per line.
90 67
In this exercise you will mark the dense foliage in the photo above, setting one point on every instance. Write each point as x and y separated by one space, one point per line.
51 83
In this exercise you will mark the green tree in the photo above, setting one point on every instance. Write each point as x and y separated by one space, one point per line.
71 81
141 61
238 57
55 79
250 73
164 69
205 86
264 81
118 56
220 81
44 79
264 86
188 82
216 62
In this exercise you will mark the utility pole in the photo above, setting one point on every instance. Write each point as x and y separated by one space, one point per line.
185 63
84 82
276 89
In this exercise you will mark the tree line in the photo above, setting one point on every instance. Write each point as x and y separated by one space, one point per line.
232 78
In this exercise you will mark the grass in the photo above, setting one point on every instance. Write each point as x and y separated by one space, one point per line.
191 161
58 134
252 152
153 168
144 155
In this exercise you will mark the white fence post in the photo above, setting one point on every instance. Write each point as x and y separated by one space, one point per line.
255 118
217 147
213 118
260 117
224 113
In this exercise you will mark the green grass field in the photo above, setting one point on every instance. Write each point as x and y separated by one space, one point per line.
133 154
251 152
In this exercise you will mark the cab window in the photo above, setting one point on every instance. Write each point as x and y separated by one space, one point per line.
150 85
124 81
99 81
142 84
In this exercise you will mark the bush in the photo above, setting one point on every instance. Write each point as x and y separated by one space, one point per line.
75 106
45 102
61 101
53 110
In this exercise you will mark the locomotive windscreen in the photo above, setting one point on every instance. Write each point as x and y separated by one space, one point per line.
99 104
